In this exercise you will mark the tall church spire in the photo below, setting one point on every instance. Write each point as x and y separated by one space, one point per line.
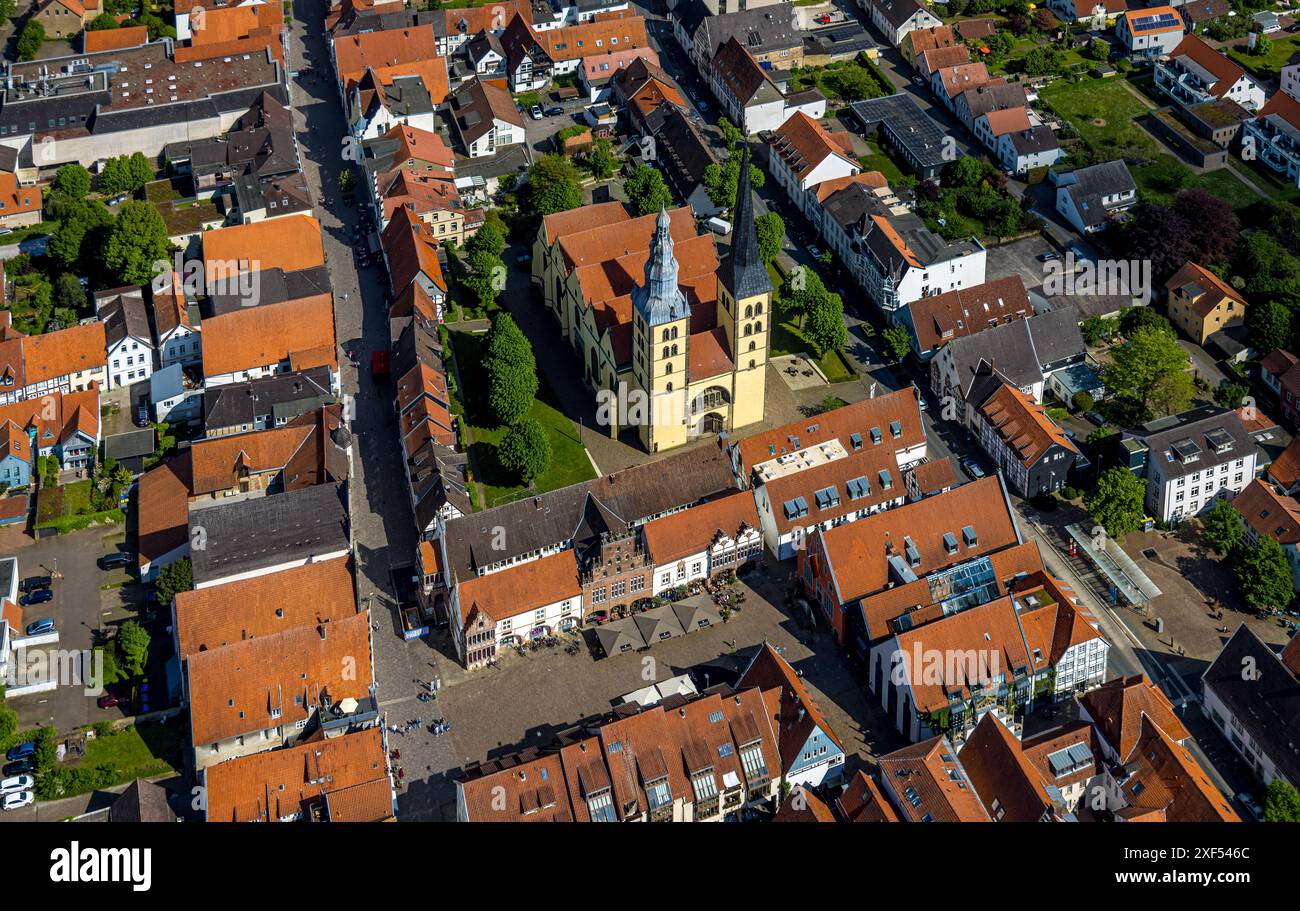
660 300
742 273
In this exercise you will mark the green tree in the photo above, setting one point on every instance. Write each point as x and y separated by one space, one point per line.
79 234
485 276
601 160
72 179
1117 503
553 185
137 240
1264 574
646 191
132 643
770 228
721 182
8 9
1096 329
68 293
1282 803
526 450
825 327
102 22
802 292
511 371
731 135
1082 401
1270 325
1221 528
30 40
1231 395
138 171
898 341
1043 61
487 238
1150 369
173 578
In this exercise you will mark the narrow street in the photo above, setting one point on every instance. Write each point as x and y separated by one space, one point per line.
383 528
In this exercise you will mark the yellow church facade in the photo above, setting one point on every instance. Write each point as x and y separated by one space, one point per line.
672 342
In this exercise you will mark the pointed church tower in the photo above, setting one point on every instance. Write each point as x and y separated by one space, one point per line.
745 306
661 326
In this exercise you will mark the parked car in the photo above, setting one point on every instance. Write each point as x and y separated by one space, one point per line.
1252 806
920 396
21 767
40 596
1095 417
115 560
17 783
815 251
5 232
22 750
40 627
555 112
31 583
17 801
1049 256
107 701
972 468
535 112
142 415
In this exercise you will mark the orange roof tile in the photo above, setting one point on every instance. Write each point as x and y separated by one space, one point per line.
859 551
280 784
520 589
219 463
235 689
209 618
943 790
1023 424
1118 706
862 801
253 337
63 352
802 144
115 39
694 530
289 243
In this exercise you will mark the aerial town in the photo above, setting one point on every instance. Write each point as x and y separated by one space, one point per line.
680 410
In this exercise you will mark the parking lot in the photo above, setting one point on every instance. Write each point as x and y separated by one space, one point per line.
495 711
1019 256
86 600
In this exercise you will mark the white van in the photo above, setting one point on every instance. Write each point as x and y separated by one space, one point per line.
719 226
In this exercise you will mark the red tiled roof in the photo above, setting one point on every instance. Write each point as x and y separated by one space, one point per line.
694 530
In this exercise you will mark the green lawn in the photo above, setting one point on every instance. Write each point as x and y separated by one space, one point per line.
787 339
1221 183
880 161
1268 66
140 751
1103 112
569 462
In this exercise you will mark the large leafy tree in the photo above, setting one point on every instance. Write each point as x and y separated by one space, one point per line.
825 328
1150 370
802 292
722 181
1270 324
1282 803
78 237
1222 528
1197 226
526 450
646 191
898 342
487 239
72 179
770 228
68 293
30 40
553 185
485 276
1117 502
511 370
132 647
1264 574
137 240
